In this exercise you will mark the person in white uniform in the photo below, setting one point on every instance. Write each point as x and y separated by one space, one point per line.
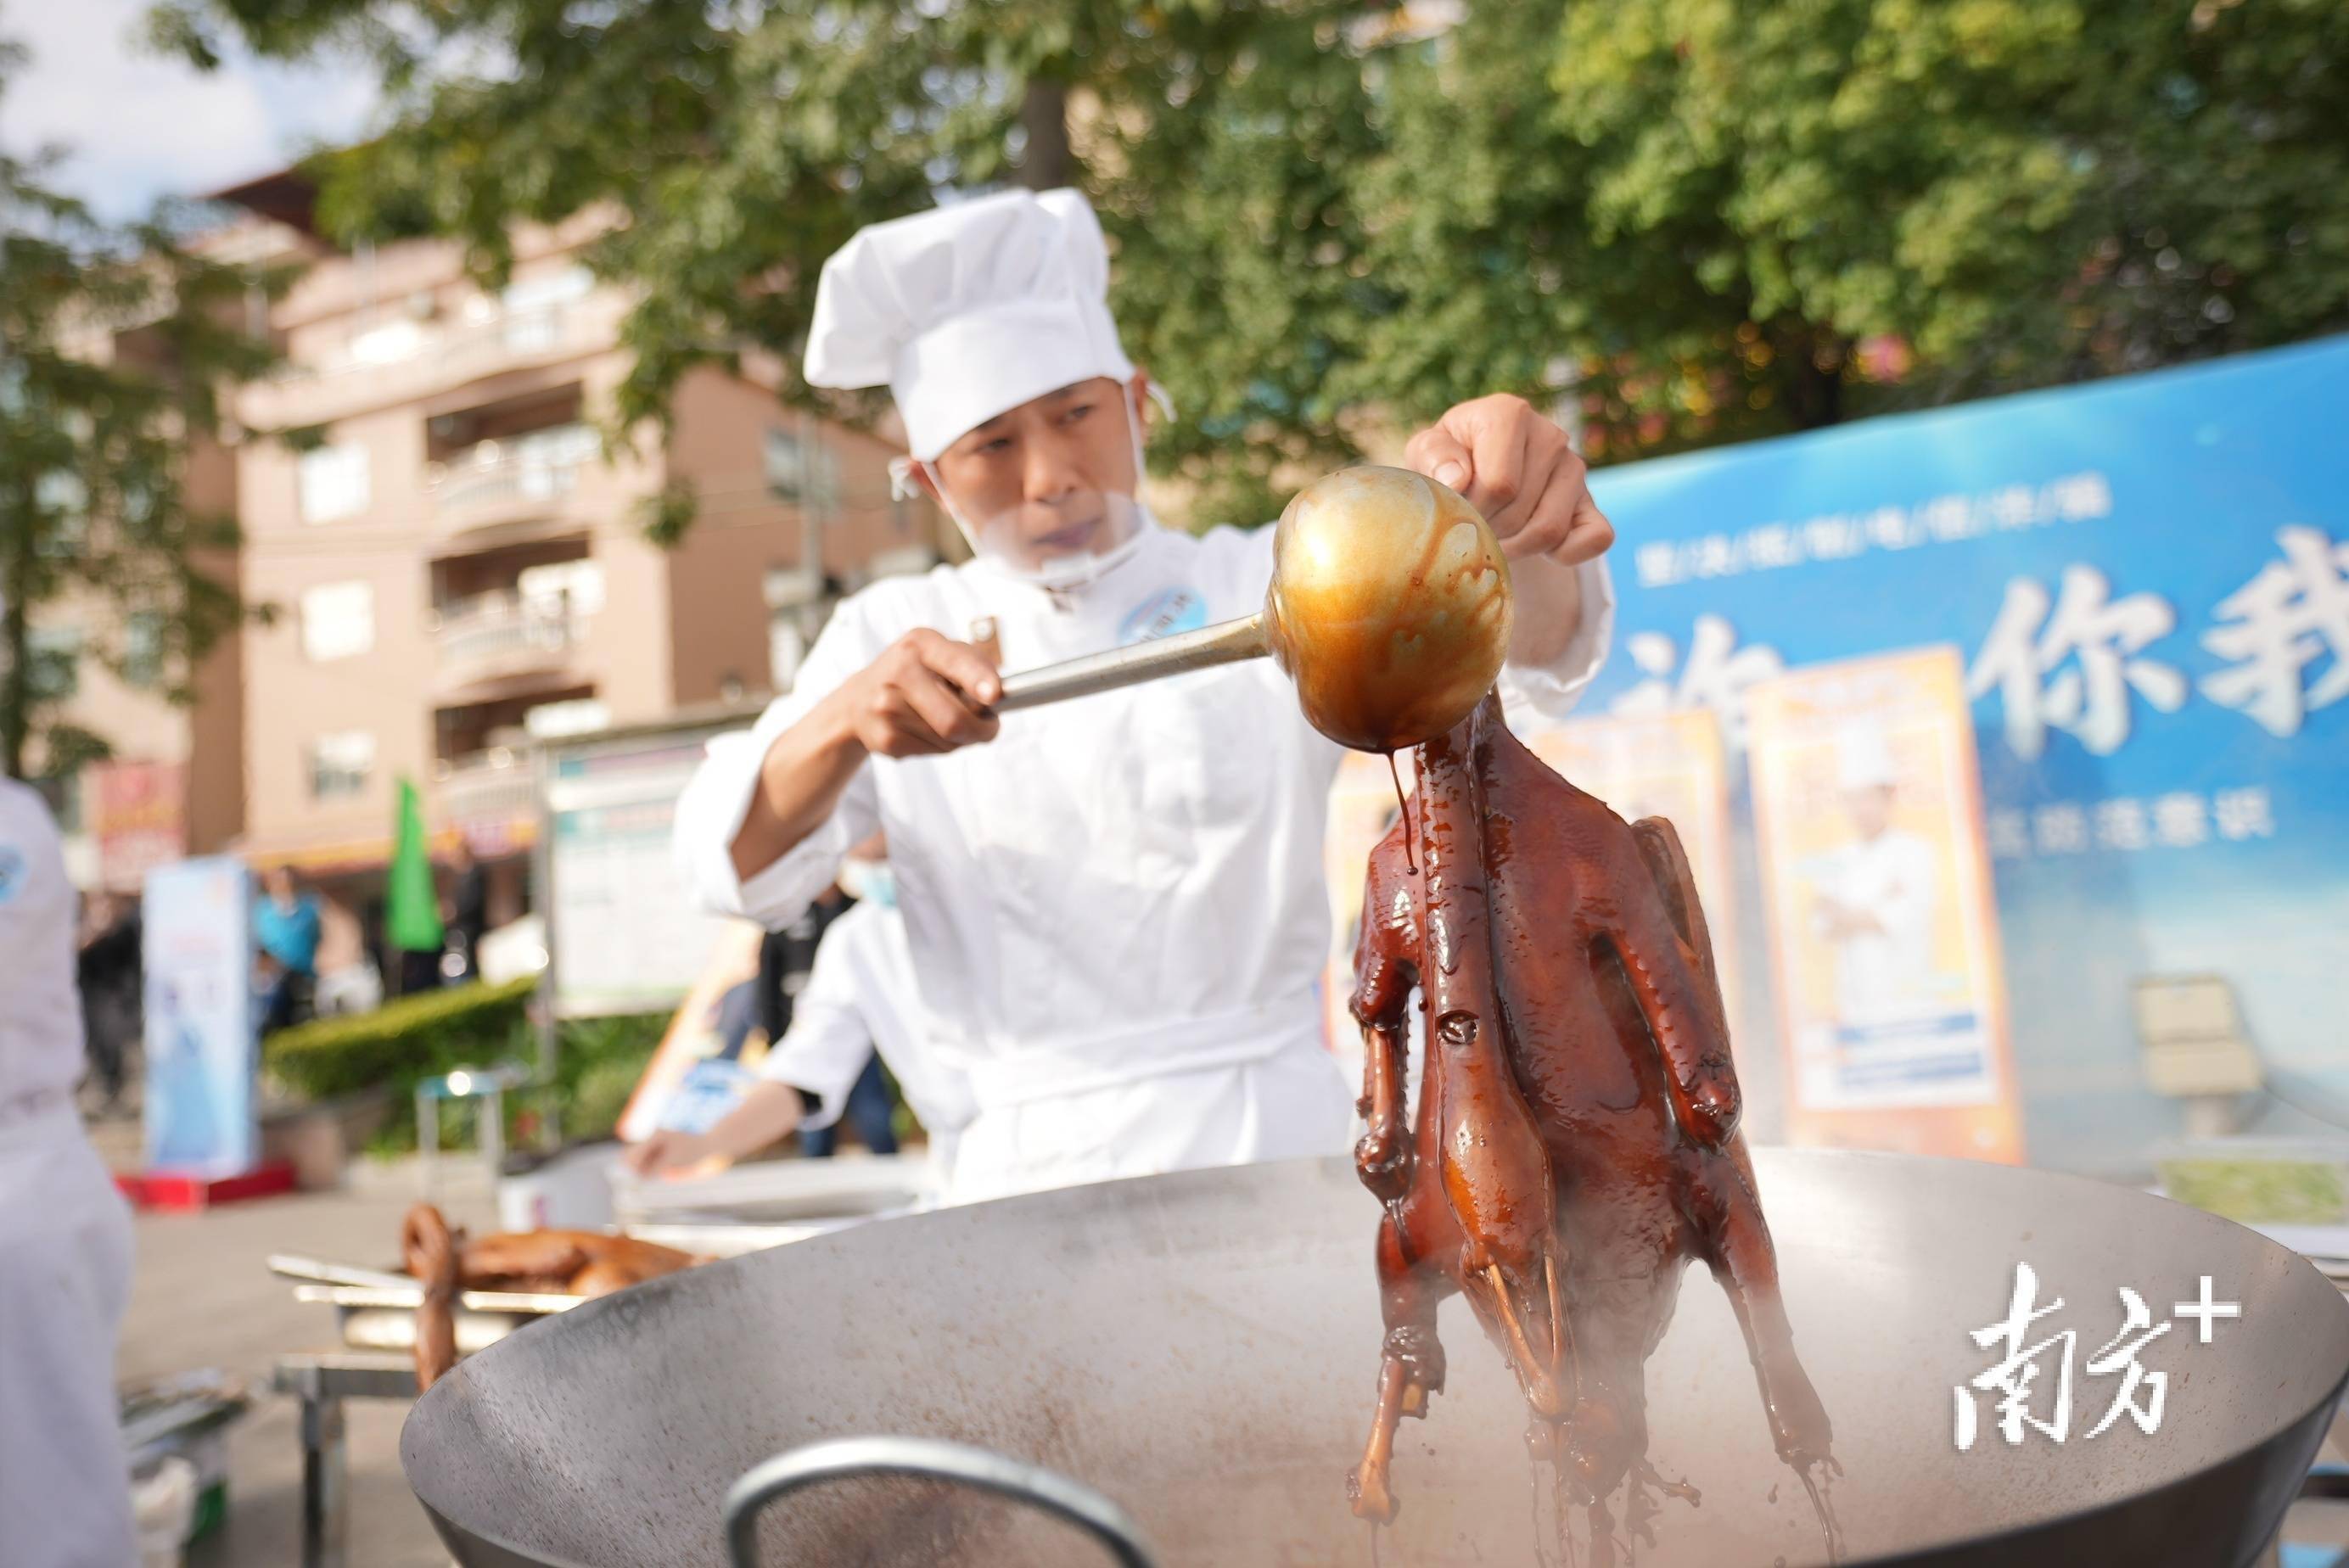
860 998
1115 905
1873 898
64 1234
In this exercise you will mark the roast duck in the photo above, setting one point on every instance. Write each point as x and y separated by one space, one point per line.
559 1263
1575 1138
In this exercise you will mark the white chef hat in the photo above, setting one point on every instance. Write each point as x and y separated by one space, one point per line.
1863 761
968 310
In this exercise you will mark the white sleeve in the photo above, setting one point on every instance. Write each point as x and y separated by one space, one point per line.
1551 690
710 811
829 1040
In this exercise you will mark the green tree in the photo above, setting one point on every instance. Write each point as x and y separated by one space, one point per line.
1703 219
116 347
1477 208
1705 213
735 147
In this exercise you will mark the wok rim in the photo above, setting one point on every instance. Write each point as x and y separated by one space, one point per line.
410 1436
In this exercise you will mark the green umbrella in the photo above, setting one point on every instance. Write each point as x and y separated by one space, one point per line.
412 915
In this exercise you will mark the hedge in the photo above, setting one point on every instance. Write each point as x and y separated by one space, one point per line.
404 1042
401 1043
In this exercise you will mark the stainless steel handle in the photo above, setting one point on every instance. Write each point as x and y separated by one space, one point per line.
1226 642
939 1461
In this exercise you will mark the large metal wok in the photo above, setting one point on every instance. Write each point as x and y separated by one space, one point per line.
1201 1349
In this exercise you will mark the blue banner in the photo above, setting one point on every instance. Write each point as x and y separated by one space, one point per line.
2148 581
201 1119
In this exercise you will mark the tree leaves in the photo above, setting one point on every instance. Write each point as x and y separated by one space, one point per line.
1687 221
117 346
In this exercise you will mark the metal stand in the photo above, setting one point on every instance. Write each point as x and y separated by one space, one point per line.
1055 1495
488 1085
322 1383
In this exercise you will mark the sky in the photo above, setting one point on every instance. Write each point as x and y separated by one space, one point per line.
139 127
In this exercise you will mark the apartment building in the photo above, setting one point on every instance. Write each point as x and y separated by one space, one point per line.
458 564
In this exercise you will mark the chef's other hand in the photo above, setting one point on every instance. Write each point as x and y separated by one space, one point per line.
1518 469
925 693
665 1151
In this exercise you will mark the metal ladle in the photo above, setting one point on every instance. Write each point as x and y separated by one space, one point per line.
1389 608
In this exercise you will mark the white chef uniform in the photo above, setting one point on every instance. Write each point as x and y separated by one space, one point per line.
1115 909
1885 974
64 1234
861 997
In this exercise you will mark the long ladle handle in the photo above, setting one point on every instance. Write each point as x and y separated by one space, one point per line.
939 1461
1224 643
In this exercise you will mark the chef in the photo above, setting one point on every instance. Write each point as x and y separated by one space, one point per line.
1115 906
1872 898
64 1234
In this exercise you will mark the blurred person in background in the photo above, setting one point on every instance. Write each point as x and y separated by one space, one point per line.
761 1005
64 1234
858 1010
1872 898
285 926
869 1106
109 973
468 910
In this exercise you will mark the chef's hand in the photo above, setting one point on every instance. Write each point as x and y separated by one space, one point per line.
668 1152
925 693
1518 469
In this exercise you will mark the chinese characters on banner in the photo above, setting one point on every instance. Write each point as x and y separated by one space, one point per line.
2146 581
2080 659
1884 937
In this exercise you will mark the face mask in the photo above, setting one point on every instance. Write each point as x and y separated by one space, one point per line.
1003 544
869 881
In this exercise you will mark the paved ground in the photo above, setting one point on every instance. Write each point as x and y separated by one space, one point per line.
204 1297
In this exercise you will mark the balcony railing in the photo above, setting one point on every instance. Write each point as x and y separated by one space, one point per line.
457 352
398 360
496 635
521 472
486 787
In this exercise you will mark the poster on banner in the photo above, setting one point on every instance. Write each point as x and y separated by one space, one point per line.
1875 883
1667 765
2146 580
137 818
203 1034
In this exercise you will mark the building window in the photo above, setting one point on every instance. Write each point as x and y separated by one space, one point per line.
796 470
334 482
337 621
64 499
54 654
340 763
142 649
532 308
